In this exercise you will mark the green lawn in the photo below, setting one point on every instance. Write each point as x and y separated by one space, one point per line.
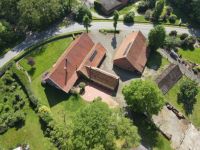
191 55
128 8
156 61
45 56
31 133
171 97
61 104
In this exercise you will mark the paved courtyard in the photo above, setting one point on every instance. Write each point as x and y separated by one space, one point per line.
111 42
93 91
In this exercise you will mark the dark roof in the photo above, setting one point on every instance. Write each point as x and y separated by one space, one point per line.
169 78
134 50
110 4
78 54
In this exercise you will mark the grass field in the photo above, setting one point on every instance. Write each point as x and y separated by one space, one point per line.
171 97
45 56
191 55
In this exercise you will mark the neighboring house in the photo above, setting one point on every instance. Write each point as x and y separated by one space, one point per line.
169 78
109 6
81 59
132 54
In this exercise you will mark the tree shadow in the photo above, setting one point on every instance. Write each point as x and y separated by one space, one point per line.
125 75
188 106
55 95
19 125
31 71
146 130
154 61
114 42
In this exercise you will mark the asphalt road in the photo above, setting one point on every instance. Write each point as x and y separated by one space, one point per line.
144 28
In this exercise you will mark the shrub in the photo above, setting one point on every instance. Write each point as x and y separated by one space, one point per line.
189 42
83 11
142 7
171 42
172 18
173 33
183 36
30 61
169 10
129 17
148 14
198 39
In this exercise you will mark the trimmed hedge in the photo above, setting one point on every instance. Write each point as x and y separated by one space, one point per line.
46 41
23 79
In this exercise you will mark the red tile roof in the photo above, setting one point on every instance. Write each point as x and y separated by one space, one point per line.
103 78
81 53
132 52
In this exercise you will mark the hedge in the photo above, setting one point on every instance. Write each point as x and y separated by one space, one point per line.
23 79
43 42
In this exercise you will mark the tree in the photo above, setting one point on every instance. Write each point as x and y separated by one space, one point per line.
6 33
157 37
188 92
83 11
38 14
86 22
129 17
98 127
143 97
158 10
115 19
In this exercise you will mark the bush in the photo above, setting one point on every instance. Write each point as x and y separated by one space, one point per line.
142 7
172 18
148 14
173 33
169 10
183 36
189 42
129 17
82 12
171 42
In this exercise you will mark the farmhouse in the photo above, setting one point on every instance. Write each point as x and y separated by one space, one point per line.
169 78
132 54
81 59
108 6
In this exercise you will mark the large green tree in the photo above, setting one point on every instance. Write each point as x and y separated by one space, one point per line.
157 37
143 97
98 127
158 10
36 14
188 92
9 10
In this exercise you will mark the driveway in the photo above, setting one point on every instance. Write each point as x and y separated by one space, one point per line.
35 38
111 42
184 136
